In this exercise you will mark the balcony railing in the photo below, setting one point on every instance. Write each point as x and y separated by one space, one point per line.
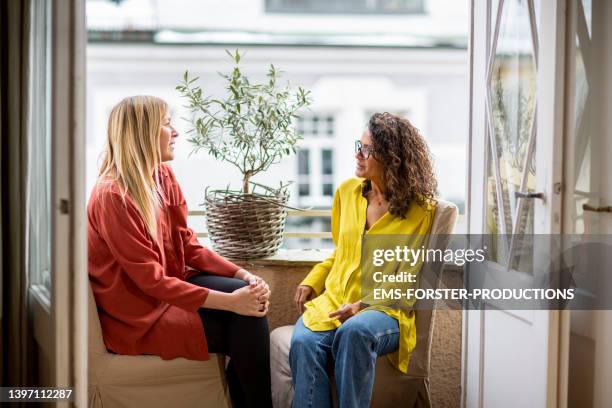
460 227
287 234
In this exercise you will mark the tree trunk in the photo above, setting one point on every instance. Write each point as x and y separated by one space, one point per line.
245 183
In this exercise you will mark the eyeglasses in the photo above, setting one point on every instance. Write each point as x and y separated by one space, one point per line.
363 150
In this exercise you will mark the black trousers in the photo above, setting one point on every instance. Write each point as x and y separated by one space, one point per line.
244 339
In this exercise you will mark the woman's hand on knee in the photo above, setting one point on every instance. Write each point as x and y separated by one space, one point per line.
303 294
248 277
265 307
246 301
254 281
346 311
262 289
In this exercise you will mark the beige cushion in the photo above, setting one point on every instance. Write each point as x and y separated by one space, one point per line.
148 381
282 388
391 387
444 222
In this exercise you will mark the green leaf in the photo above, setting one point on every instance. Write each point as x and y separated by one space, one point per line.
251 126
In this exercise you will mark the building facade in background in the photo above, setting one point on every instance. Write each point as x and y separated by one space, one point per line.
357 57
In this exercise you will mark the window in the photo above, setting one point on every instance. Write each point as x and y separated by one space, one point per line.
330 126
39 150
304 189
315 160
315 178
316 126
304 172
346 6
327 186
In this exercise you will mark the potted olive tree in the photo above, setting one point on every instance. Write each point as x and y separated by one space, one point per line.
252 128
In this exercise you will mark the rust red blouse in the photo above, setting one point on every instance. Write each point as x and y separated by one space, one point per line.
144 303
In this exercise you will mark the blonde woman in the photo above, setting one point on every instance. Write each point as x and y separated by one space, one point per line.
157 289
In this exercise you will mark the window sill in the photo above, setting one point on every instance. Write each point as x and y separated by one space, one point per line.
308 257
291 257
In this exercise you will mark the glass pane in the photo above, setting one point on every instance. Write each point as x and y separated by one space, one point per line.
328 189
330 126
587 7
512 92
494 7
586 141
304 189
303 162
327 162
315 126
38 189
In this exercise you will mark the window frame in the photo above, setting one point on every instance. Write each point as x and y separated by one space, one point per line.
316 139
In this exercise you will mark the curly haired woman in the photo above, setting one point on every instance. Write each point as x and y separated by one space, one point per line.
393 194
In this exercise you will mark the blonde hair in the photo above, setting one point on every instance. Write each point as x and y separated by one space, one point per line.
133 156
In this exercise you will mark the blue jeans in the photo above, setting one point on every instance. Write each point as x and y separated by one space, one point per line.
354 347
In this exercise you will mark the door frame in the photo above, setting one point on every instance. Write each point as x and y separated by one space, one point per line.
70 278
60 317
551 82
550 114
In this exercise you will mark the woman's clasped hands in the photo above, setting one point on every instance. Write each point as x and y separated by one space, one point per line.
251 300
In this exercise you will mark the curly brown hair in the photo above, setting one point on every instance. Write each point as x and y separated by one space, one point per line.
407 163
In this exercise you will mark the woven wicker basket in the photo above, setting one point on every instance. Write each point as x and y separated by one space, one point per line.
245 226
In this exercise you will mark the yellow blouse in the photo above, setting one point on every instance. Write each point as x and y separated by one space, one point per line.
337 280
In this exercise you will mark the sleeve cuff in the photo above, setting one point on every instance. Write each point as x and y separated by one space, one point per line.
316 284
